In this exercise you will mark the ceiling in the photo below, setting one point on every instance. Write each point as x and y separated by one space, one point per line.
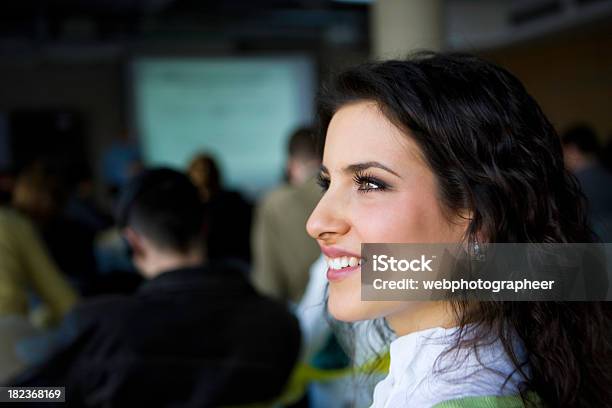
244 23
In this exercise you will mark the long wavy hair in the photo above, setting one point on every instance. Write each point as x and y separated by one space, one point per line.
494 152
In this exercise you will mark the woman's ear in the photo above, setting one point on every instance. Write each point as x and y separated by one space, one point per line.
465 217
465 214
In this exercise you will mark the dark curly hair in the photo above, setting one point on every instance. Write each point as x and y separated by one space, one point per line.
494 152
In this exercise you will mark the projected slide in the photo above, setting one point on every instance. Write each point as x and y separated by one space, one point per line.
240 109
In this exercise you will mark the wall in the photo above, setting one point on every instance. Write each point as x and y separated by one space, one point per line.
570 75
92 88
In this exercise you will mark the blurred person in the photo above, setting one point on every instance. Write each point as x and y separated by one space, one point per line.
26 268
204 173
582 151
228 221
282 251
41 193
606 154
112 254
114 272
195 334
121 161
449 148
81 205
605 222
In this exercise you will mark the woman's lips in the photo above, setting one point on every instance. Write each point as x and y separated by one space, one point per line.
335 271
334 252
336 275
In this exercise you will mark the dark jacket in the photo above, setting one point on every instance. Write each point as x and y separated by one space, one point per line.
194 337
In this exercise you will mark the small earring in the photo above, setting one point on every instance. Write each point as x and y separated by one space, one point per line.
478 254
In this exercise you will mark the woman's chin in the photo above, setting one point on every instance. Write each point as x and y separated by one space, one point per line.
344 315
347 306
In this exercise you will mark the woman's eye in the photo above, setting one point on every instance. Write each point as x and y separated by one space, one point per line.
367 183
364 183
368 186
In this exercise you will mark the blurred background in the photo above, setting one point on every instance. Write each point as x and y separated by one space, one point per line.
94 91
174 77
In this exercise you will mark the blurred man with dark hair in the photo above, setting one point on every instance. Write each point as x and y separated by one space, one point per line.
580 147
304 158
282 250
162 220
581 151
193 335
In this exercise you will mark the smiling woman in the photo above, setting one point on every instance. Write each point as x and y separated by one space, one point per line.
379 189
449 148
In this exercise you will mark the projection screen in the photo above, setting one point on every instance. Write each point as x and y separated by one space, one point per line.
241 110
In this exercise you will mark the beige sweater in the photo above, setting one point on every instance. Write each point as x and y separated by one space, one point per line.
25 265
282 250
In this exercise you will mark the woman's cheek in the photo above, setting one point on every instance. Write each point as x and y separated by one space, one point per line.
397 217
376 219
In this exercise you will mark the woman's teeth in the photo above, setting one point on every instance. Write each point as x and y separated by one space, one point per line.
342 262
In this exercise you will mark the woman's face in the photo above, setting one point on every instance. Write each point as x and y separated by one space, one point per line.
379 190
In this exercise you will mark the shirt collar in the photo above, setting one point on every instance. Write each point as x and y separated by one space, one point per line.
216 277
415 353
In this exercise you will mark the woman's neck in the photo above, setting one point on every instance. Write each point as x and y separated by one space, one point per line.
424 315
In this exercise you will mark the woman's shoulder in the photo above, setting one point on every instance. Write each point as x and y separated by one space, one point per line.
510 401
426 369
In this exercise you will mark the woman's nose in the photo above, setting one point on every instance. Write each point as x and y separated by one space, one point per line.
327 220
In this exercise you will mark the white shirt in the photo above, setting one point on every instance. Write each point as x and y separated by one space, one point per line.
310 311
414 382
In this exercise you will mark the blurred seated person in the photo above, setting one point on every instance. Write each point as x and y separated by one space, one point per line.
26 268
81 205
195 334
606 155
120 162
581 151
228 222
112 254
282 250
41 192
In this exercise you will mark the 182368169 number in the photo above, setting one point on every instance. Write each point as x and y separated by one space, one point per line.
34 394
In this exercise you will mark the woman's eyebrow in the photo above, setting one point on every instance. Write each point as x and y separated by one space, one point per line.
353 168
